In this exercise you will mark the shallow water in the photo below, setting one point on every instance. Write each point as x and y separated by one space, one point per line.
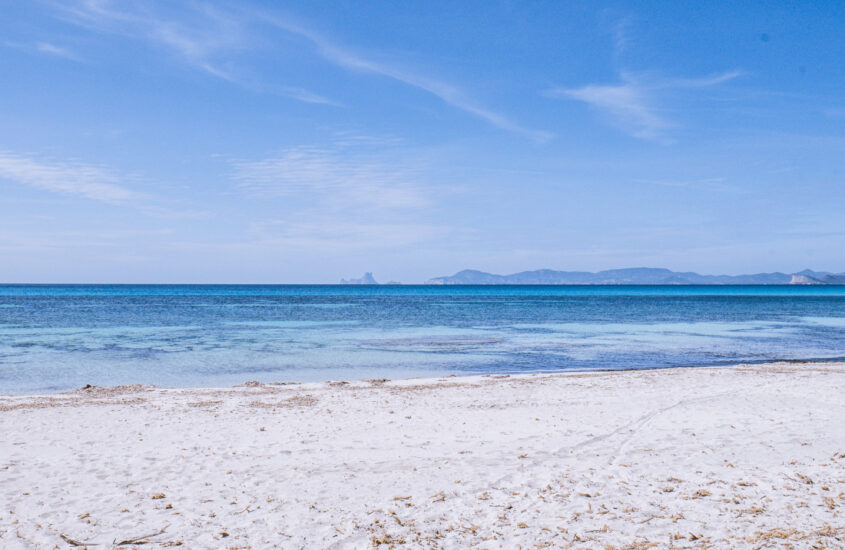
60 337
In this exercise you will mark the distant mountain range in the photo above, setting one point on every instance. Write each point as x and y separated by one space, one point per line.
629 276
636 276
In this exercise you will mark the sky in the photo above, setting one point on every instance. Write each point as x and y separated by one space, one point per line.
306 141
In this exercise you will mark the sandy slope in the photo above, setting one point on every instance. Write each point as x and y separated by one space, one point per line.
742 457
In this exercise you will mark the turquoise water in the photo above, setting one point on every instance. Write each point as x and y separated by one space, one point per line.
58 337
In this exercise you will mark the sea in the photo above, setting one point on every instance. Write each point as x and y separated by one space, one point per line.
60 337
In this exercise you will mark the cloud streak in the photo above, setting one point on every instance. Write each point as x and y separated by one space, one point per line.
45 48
634 105
67 177
341 175
89 181
52 49
208 35
357 192
448 93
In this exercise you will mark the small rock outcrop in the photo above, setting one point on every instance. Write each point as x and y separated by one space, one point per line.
366 279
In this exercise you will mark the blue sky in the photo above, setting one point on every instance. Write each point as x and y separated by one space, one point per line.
250 142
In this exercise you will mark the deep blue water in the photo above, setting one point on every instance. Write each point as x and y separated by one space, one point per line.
58 337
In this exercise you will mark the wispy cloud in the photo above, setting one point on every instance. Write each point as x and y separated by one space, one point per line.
204 38
52 49
621 36
343 174
357 192
45 48
300 94
68 177
701 82
91 181
627 104
635 104
196 38
450 94
207 34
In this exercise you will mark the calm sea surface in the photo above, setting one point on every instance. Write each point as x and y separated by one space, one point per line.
60 337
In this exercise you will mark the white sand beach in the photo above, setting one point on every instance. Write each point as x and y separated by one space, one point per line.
732 457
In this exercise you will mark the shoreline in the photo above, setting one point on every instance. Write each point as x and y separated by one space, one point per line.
426 380
738 456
